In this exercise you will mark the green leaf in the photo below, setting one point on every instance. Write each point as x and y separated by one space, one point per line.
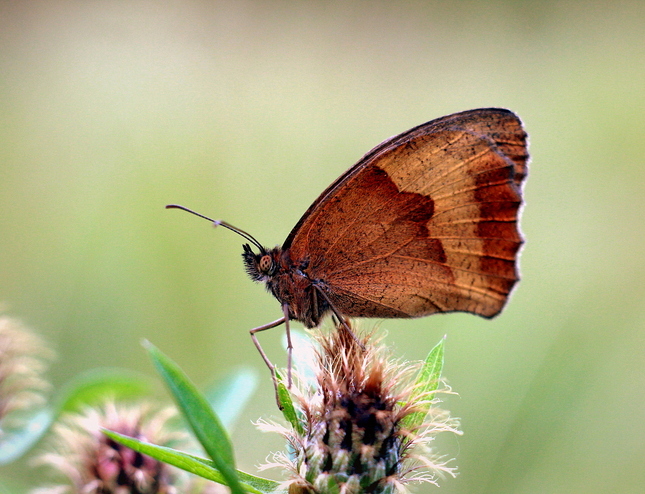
4 489
286 403
426 384
94 386
251 481
200 416
229 396
195 465
15 443
86 389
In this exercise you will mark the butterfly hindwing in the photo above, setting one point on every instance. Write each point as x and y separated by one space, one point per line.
426 222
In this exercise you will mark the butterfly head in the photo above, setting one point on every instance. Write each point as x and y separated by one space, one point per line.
262 266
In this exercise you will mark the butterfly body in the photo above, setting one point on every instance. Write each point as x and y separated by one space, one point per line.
426 222
289 282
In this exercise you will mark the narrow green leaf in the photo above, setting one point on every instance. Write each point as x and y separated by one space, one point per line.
195 465
426 384
253 481
288 410
198 413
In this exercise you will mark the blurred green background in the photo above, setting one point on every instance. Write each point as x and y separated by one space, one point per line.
246 111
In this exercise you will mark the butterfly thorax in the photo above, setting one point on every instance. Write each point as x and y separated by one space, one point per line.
289 282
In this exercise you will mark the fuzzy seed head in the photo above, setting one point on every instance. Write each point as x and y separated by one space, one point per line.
24 358
354 439
89 462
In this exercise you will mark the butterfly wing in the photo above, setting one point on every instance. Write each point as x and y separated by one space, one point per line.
425 222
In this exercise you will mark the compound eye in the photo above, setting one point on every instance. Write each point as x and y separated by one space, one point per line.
265 264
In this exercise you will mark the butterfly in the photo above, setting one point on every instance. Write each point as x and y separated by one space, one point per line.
425 222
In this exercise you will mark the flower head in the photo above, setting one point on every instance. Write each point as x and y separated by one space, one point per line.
356 434
24 358
89 462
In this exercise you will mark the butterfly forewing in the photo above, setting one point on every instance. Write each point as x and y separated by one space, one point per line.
426 222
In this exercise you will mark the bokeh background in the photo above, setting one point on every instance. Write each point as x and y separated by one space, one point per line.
246 111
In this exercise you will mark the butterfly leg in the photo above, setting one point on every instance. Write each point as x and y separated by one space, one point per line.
341 319
285 311
344 324
271 367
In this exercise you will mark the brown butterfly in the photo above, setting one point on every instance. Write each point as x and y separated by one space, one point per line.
425 222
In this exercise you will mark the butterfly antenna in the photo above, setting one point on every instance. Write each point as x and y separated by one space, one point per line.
241 233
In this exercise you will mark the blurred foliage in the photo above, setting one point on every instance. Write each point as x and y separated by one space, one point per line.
246 111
